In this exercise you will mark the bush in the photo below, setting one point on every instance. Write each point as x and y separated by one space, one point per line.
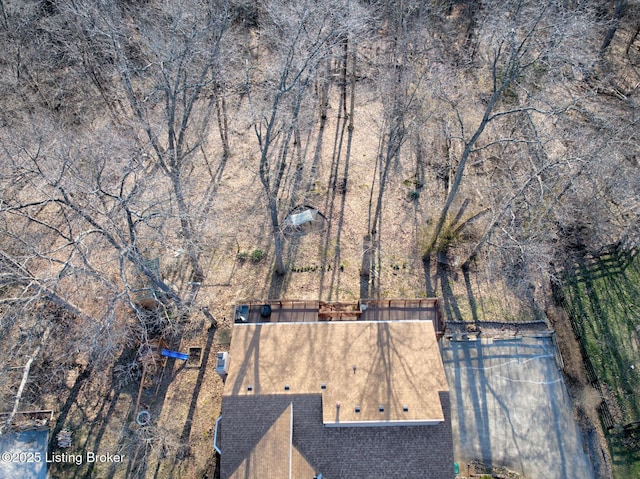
257 255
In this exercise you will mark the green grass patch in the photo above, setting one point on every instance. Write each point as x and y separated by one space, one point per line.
448 236
625 459
603 296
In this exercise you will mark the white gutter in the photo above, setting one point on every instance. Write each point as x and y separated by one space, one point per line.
215 436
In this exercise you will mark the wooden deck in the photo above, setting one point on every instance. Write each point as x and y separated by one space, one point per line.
294 311
403 310
282 311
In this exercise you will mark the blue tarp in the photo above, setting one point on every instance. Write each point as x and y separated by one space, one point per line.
174 354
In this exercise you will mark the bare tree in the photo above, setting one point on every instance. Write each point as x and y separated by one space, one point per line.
402 93
76 212
303 35
172 79
514 54
618 13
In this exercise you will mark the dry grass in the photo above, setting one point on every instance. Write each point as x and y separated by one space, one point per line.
327 266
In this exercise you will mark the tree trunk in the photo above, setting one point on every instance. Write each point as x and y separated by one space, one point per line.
468 148
345 59
353 85
277 237
25 377
615 21
324 74
634 35
221 115
186 229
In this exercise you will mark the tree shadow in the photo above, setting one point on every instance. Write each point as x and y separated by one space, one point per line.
370 267
470 295
277 284
366 268
426 266
337 268
112 402
136 447
450 303
138 462
92 438
66 408
602 306
186 430
212 188
337 185
466 360
495 388
317 156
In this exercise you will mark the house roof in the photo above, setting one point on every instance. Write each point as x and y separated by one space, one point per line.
277 443
289 377
377 373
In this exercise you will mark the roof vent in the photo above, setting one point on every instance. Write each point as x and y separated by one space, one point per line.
381 408
405 408
357 409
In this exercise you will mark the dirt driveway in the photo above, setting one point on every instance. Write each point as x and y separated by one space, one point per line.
510 408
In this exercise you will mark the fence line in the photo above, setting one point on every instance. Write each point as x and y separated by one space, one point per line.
613 259
603 409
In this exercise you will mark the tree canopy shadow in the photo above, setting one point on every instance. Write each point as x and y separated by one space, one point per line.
443 279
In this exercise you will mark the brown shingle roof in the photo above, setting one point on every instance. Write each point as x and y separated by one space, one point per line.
394 452
302 370
275 455
372 373
275 443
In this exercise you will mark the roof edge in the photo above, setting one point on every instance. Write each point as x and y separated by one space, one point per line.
391 422
359 321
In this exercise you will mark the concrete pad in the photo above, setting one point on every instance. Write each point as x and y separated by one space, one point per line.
510 408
